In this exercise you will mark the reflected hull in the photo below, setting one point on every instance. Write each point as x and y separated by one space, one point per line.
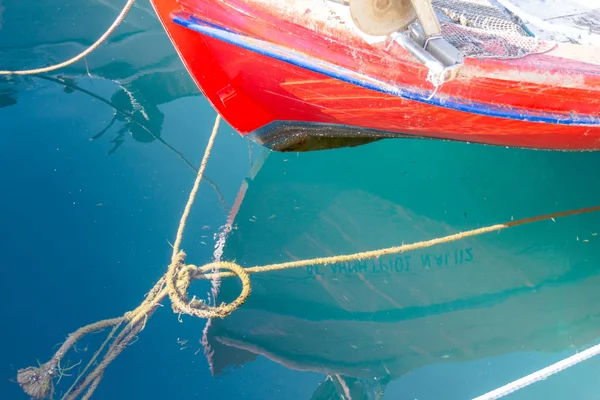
527 289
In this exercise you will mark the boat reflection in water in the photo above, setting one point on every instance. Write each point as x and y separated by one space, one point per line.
526 289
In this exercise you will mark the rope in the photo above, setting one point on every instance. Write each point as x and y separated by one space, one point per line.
81 55
180 275
541 374
202 271
37 381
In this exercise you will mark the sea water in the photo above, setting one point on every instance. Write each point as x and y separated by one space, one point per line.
97 163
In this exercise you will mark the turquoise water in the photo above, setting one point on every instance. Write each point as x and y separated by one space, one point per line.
96 171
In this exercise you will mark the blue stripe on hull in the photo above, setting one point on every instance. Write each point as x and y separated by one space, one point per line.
343 74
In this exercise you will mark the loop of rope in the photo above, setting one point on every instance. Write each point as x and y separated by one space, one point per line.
180 276
81 55
37 381
403 248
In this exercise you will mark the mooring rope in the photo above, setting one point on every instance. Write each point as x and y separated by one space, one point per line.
541 374
38 381
81 55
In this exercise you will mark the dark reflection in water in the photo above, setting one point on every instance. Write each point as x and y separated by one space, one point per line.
133 102
8 96
144 77
139 91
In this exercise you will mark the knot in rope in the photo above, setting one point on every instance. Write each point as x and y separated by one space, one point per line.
180 276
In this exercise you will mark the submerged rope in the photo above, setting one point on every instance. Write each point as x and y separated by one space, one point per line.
38 381
81 55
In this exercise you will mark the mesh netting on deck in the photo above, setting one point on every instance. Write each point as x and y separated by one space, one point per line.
481 30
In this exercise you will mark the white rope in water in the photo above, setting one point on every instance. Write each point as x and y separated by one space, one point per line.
541 374
81 55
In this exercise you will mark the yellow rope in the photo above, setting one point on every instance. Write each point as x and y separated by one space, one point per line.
37 381
191 272
81 55
202 272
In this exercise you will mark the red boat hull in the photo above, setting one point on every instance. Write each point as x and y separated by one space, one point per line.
290 107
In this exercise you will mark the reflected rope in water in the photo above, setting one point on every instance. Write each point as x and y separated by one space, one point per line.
129 118
38 381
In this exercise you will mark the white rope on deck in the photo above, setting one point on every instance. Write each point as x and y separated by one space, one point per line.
541 374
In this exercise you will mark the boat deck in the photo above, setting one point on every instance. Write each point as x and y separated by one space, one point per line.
574 21
565 21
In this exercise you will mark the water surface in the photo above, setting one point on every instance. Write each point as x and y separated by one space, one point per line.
97 162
